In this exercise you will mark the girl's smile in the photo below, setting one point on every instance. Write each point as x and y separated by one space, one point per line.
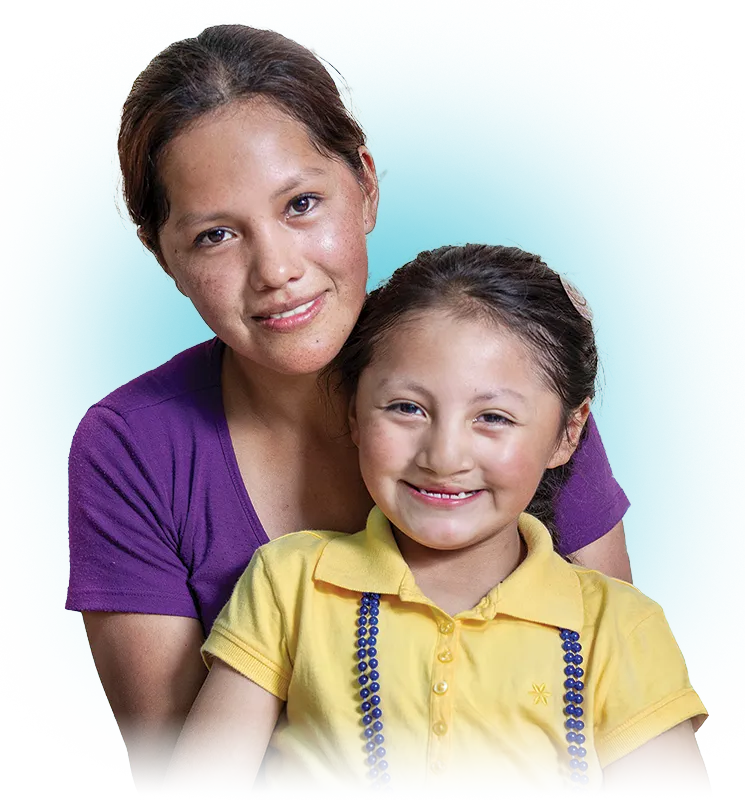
455 427
447 495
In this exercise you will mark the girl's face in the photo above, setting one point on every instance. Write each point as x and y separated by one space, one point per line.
266 236
455 429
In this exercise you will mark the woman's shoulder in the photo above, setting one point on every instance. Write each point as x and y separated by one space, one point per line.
172 402
193 370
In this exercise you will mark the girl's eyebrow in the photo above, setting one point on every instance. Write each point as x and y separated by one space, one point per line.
484 397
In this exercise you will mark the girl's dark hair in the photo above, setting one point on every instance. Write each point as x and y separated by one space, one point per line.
504 286
193 77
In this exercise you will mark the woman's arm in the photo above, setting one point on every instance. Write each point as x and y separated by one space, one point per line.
668 762
151 670
607 554
226 734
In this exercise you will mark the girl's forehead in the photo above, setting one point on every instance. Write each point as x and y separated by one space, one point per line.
439 340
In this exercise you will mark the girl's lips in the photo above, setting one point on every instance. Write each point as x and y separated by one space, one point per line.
437 497
292 319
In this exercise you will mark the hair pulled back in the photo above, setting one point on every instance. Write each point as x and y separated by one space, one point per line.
504 286
193 77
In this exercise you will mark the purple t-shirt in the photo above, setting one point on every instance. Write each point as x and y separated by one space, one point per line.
160 520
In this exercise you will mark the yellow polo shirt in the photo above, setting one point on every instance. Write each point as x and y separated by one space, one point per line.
470 698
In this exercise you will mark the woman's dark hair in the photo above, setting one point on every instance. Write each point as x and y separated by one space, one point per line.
504 286
193 77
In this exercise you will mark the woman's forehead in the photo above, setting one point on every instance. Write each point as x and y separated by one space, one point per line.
252 147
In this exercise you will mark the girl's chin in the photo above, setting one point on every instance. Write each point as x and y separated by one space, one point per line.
433 539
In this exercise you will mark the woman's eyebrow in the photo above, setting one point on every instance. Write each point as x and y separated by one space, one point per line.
295 180
187 220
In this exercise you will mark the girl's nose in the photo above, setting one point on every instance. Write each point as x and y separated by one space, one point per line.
274 260
445 450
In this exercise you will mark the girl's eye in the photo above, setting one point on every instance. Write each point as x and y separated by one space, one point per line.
213 237
492 418
301 204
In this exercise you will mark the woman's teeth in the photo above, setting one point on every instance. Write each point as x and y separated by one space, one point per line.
292 312
447 496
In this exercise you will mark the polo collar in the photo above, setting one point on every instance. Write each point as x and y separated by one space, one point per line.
543 589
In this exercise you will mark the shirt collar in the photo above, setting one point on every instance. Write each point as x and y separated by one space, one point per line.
543 589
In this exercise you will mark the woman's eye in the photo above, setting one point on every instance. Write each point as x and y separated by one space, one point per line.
213 237
410 409
301 204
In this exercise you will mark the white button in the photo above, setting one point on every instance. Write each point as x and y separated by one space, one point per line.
440 687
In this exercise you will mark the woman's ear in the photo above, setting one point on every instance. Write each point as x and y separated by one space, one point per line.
354 428
570 435
369 183
158 257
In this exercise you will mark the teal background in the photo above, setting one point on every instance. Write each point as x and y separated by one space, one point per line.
605 136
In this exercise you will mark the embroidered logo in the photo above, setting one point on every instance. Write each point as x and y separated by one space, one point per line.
540 694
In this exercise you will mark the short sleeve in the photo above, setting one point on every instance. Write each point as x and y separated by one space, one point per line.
644 692
250 632
124 549
591 502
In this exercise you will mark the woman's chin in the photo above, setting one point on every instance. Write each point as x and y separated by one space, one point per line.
288 360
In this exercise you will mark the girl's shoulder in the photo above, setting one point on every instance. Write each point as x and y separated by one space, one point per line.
612 602
291 559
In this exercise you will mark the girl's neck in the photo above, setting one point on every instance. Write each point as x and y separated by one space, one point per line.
456 580
278 402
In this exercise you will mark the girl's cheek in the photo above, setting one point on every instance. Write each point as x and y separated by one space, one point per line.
380 444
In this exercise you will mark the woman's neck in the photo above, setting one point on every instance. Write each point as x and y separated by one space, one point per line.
280 402
456 580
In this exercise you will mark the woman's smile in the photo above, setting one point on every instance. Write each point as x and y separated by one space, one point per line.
294 317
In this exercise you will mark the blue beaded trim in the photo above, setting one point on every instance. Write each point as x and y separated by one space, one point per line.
369 681
573 709
372 713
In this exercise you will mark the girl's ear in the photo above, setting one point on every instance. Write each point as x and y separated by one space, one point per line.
354 428
570 435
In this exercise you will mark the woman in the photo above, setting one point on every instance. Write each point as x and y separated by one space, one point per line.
253 188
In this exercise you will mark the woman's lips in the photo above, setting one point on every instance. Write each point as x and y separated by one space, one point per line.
293 318
452 496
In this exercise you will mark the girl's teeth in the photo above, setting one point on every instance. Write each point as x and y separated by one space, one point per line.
441 495
292 312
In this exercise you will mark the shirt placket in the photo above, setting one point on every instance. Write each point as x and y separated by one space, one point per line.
441 697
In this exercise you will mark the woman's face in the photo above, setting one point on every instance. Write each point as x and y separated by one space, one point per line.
266 235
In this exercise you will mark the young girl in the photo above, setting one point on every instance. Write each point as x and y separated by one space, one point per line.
448 641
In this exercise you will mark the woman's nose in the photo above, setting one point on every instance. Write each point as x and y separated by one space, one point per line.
445 450
274 260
